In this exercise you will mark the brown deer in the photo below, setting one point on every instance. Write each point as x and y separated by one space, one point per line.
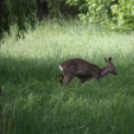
83 70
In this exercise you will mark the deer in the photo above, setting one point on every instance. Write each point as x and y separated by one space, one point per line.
83 70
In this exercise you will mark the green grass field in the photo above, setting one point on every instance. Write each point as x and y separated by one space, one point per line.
33 102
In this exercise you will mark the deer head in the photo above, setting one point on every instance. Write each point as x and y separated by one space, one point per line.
110 68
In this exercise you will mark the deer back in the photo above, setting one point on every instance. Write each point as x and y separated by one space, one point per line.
79 68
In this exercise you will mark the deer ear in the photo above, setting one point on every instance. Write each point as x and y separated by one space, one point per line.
110 59
105 60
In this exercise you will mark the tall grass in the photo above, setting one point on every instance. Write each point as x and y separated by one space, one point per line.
34 103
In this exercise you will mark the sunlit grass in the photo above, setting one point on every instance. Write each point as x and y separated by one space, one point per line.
33 101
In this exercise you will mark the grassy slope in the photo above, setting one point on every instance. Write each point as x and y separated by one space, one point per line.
34 102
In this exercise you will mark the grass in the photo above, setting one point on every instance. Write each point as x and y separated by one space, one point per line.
34 103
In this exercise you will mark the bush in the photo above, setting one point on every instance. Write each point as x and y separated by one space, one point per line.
123 14
118 14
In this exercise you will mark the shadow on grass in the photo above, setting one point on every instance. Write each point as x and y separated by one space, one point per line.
45 71
15 70
34 103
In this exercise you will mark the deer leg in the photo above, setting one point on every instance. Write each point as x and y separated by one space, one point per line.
97 77
60 79
82 80
67 79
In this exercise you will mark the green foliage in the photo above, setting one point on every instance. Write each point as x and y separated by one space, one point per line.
19 12
123 14
59 8
118 14
4 18
91 10
54 7
23 13
33 101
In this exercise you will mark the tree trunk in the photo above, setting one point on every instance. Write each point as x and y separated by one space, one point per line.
42 8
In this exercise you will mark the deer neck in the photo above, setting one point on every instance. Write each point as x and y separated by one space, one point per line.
104 71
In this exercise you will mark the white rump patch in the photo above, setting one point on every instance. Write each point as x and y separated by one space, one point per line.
61 68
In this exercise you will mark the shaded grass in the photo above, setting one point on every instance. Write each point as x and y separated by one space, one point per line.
33 101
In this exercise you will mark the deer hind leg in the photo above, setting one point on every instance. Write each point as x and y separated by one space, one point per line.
67 79
68 74
60 79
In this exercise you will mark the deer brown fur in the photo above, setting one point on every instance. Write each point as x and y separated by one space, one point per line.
83 70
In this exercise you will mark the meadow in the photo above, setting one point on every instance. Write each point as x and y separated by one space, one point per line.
33 102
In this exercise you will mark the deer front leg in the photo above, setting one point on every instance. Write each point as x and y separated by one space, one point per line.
83 78
67 79
97 77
